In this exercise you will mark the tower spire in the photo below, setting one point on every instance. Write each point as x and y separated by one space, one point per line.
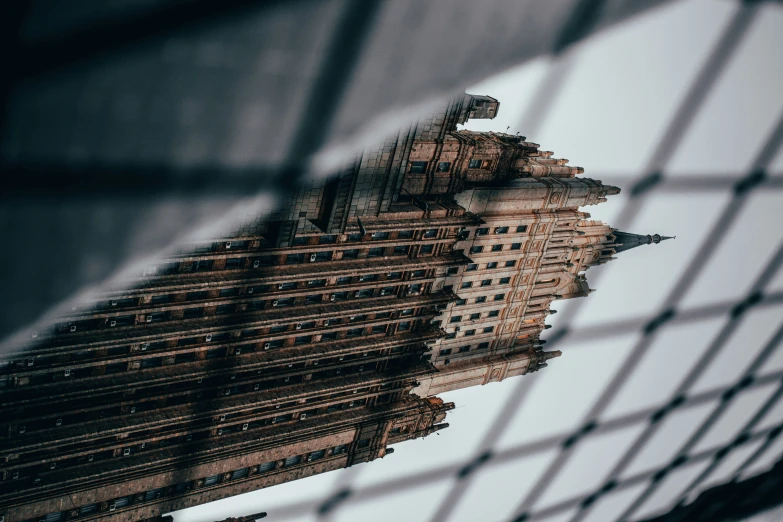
626 241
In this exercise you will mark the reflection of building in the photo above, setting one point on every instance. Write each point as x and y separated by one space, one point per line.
291 347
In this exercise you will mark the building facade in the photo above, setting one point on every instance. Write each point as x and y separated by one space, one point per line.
307 340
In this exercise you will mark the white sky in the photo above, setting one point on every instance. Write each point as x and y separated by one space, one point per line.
614 107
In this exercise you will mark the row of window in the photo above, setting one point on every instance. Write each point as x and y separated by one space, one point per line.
202 295
470 332
463 349
491 265
477 249
420 167
186 487
186 357
222 386
234 307
474 317
142 447
483 231
118 351
485 282
235 263
480 299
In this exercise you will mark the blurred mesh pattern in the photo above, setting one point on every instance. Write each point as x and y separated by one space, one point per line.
670 383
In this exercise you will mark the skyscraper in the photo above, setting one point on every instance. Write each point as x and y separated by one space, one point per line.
309 339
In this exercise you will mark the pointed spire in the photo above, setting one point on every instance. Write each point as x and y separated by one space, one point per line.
626 241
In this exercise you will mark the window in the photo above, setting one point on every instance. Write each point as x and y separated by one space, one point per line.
402 327
445 351
471 267
522 228
315 455
460 302
483 346
323 256
476 249
288 301
497 248
464 349
426 249
433 232
473 317
494 313
157 317
240 473
453 270
262 468
489 329
492 265
419 273
350 254
407 311
340 448
202 265
294 258
455 319
444 166
418 167
375 252
501 230
405 234
300 241
364 293
354 237
235 262
344 280
355 332
504 280
358 317
511 263
263 261
304 339
466 285
380 235
292 461
500 297
516 246
474 164
192 313
394 275
448 288
481 299
380 328
287 286
415 289
327 239
451 335
160 299
387 290
364 443
487 282
316 282
224 309
278 328
470 332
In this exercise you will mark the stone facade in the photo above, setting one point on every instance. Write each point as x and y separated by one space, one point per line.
309 340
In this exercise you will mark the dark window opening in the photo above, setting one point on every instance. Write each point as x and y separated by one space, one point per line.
418 167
